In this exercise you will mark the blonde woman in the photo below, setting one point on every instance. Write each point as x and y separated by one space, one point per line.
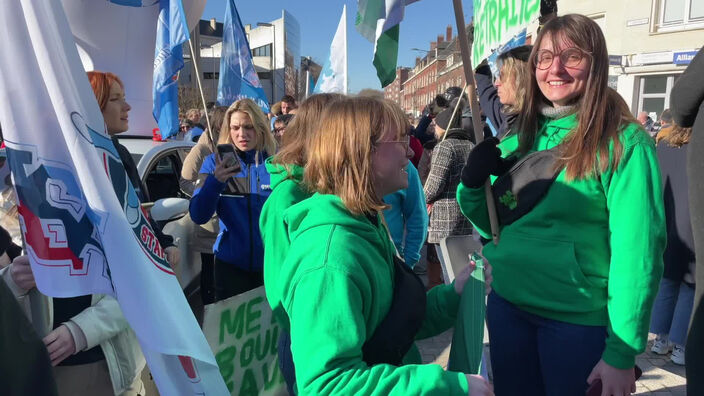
353 309
502 100
237 194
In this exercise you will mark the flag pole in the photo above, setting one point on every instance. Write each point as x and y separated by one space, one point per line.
466 50
202 97
344 16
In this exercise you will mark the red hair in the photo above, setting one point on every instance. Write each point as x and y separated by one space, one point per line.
101 83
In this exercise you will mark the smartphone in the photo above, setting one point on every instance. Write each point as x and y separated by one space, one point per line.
227 155
595 388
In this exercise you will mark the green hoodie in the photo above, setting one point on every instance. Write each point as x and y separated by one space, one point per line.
590 252
286 191
336 285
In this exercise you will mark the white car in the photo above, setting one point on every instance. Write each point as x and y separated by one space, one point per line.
159 166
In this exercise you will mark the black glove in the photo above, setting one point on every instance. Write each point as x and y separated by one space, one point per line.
483 69
484 160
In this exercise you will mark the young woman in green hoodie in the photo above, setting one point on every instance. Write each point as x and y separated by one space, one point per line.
286 177
353 311
580 254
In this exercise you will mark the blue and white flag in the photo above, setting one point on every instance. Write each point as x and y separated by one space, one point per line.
134 3
84 229
333 77
171 32
238 78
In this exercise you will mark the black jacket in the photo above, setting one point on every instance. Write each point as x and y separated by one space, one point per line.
490 103
687 106
679 254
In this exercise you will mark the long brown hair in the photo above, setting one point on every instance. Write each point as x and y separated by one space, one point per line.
265 140
340 156
101 82
602 112
299 133
217 118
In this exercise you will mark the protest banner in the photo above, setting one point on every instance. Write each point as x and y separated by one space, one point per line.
243 336
497 21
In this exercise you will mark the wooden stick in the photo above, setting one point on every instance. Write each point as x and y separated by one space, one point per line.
202 97
466 51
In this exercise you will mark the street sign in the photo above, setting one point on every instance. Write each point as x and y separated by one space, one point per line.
615 60
683 58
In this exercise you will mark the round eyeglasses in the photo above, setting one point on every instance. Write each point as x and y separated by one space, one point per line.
570 58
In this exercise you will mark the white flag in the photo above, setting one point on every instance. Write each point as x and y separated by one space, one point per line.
79 215
333 77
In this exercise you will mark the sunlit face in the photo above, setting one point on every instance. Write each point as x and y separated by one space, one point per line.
505 87
286 107
115 111
390 163
562 85
279 129
242 131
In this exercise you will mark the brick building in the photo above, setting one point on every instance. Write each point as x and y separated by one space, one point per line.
393 91
432 74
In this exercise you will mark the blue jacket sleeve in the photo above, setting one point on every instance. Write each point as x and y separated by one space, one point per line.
207 194
488 97
416 216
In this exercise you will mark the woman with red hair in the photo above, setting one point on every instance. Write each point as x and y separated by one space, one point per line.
92 347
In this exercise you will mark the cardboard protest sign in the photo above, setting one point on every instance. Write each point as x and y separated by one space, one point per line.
243 335
497 21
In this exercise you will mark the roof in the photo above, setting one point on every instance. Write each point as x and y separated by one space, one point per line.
205 29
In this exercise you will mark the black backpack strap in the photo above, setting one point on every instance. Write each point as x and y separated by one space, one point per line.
521 188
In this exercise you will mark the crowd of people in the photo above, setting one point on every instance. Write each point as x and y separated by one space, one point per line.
332 204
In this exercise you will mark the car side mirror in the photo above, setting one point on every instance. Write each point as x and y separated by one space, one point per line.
167 209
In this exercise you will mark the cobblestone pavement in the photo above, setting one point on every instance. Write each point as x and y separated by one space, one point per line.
660 377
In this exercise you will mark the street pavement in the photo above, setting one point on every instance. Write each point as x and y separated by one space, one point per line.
660 377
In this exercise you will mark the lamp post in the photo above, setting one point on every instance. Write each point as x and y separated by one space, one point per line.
305 62
273 56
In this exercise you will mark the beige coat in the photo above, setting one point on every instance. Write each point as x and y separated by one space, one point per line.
194 159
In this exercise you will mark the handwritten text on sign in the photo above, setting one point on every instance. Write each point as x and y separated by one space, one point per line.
497 21
243 336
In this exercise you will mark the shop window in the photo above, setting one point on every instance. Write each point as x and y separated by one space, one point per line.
654 94
672 15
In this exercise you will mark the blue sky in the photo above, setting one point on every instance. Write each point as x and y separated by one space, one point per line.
423 22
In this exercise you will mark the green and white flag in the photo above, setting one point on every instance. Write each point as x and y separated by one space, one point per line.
378 21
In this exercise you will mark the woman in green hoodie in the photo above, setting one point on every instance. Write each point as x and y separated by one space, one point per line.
580 254
352 310
286 176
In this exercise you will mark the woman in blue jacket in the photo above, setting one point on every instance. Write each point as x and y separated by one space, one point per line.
236 193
